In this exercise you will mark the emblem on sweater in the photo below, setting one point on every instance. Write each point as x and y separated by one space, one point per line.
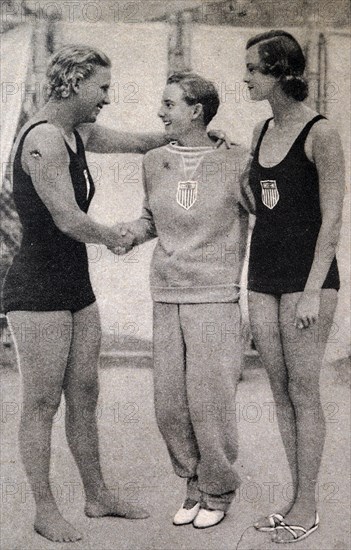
269 194
187 194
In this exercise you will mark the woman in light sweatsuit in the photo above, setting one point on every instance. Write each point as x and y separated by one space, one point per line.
194 205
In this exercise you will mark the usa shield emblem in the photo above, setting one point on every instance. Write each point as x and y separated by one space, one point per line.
187 193
270 193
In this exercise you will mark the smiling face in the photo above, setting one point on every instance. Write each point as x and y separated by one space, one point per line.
92 93
261 86
176 114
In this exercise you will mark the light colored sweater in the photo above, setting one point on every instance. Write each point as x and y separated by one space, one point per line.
196 205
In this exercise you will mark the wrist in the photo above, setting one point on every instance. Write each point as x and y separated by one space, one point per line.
312 291
110 237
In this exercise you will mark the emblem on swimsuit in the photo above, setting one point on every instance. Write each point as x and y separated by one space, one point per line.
187 194
270 193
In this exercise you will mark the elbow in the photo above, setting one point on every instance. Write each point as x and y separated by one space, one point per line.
332 227
330 236
141 149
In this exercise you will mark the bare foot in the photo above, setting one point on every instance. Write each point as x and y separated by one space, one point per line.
50 524
265 523
107 505
300 514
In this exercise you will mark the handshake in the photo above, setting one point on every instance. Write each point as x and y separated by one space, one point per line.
125 239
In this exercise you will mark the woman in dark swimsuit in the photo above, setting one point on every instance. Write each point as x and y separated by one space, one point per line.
47 294
297 178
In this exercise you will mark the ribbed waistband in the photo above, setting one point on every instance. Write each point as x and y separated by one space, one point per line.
196 295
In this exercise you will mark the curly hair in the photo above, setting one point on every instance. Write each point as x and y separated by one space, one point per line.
282 57
70 62
197 90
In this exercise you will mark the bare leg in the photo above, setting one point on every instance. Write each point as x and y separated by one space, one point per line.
42 342
304 350
264 318
81 389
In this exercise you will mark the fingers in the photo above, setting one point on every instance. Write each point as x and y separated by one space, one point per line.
219 137
119 250
313 319
307 309
301 323
306 321
125 238
121 229
222 139
227 141
126 242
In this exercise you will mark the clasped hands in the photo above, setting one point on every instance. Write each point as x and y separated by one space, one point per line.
125 239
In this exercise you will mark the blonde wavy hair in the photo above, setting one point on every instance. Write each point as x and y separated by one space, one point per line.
71 62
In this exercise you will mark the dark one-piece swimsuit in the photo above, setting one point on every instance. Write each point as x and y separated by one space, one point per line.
288 221
50 271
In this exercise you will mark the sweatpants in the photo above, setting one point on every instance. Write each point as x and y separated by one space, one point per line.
197 364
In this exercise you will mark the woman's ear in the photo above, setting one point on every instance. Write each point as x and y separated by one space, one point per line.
198 110
76 81
75 84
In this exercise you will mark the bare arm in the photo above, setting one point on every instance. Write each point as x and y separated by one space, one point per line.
46 160
101 139
329 160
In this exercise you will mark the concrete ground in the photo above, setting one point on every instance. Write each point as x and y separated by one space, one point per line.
136 465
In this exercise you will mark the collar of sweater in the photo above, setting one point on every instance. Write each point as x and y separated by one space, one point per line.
173 147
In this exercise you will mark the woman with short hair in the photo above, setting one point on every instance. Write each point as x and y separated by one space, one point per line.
297 179
47 293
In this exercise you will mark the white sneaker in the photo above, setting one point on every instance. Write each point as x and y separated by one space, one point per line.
184 516
208 518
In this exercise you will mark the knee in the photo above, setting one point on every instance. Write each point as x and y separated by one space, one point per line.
43 406
279 386
304 393
82 393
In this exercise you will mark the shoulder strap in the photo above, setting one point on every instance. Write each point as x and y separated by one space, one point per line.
18 154
29 129
305 131
80 146
263 131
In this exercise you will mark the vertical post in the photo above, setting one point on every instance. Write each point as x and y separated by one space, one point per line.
57 35
312 68
316 59
40 58
323 69
179 42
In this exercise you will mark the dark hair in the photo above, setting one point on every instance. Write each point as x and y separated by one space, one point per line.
197 90
70 62
281 56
